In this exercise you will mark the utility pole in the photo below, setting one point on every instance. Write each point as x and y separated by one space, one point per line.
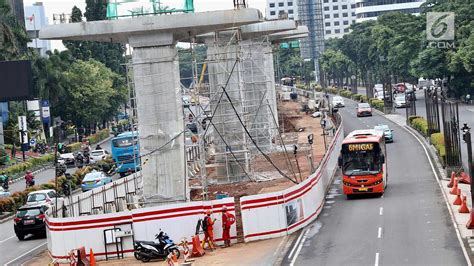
56 177
466 136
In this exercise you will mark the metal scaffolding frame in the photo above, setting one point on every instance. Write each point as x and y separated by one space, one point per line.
310 13
251 90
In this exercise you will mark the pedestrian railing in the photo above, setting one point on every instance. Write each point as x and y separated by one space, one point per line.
114 197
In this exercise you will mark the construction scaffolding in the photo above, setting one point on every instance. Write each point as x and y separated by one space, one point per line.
242 97
310 13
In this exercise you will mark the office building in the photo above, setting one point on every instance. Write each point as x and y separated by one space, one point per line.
338 16
370 9
35 19
282 9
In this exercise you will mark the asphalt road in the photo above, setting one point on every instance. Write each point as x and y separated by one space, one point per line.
466 115
13 251
409 225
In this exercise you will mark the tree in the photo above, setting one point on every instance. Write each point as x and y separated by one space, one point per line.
291 64
91 96
186 61
79 49
110 54
12 34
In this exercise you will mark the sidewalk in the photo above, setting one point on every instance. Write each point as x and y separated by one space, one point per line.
265 252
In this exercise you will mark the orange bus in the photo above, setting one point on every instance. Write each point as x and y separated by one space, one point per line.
363 163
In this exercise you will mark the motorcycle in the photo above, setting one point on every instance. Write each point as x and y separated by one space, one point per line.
79 160
148 250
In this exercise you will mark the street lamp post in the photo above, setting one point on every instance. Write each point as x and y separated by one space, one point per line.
466 136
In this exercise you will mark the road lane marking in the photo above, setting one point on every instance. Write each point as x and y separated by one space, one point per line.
299 248
380 233
6 239
25 254
295 246
377 259
446 200
381 211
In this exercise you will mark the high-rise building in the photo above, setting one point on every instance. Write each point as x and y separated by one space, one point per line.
35 19
17 9
338 16
371 9
282 9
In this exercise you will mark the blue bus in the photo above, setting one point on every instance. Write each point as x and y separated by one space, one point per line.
126 152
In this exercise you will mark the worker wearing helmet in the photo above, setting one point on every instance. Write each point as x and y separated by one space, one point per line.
227 220
207 227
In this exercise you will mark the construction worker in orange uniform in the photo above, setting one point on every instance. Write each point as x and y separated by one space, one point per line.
227 220
208 222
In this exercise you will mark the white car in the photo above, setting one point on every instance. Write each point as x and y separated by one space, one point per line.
400 101
97 155
338 101
44 197
67 158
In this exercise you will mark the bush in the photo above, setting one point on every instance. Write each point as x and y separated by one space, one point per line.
345 93
356 97
421 125
410 118
437 139
99 136
73 147
318 88
377 104
332 90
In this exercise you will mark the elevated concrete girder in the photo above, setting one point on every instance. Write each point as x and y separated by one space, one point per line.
180 26
157 85
299 32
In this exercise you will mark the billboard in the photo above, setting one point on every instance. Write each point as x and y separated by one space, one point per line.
17 82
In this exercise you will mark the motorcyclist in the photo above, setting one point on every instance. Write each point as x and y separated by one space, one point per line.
29 179
5 178
98 147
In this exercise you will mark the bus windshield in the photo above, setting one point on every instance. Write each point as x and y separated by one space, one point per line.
361 159
124 142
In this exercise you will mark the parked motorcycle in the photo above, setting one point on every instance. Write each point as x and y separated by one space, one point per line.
160 249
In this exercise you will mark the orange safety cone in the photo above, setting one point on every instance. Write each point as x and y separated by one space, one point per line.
451 182
463 208
470 223
458 200
198 251
92 258
454 190
464 178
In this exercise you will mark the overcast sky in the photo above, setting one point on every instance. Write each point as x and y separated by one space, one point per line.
64 6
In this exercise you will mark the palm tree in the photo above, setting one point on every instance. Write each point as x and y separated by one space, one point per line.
12 34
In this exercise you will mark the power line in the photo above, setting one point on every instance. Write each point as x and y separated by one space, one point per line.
253 141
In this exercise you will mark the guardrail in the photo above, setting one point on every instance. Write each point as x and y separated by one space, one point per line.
114 197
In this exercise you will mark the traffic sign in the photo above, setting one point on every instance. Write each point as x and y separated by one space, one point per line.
32 142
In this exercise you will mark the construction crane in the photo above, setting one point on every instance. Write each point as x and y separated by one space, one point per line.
157 8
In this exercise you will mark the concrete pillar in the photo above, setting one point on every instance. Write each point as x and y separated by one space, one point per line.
222 55
160 116
259 91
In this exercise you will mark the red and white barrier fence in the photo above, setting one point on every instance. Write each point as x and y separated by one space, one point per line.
263 216
280 213
177 220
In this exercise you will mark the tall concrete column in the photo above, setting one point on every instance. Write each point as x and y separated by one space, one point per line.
223 56
160 116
